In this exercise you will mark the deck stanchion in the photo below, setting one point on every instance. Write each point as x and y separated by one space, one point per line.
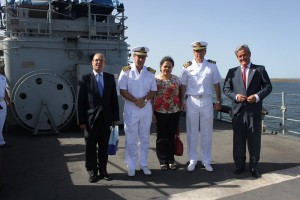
283 110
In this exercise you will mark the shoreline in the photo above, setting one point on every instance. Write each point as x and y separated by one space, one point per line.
286 80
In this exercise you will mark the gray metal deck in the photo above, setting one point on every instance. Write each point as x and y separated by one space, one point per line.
52 167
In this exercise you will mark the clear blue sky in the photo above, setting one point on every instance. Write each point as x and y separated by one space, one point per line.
271 28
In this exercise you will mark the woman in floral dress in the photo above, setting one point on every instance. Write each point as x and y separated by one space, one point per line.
166 113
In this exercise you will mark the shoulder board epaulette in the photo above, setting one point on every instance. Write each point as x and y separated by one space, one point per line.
211 61
126 68
151 70
187 64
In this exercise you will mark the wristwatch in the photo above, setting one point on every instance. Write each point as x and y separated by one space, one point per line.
218 101
145 99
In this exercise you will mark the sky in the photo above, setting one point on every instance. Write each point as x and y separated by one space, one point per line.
271 28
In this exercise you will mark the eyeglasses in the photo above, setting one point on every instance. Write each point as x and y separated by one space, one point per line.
98 60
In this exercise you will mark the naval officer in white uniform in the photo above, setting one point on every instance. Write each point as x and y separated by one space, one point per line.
4 98
137 85
198 78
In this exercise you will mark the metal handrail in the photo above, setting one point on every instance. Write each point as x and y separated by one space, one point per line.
284 108
47 23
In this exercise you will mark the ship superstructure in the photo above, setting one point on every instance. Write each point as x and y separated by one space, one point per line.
47 46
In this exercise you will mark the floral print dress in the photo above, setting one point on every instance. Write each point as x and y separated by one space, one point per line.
167 96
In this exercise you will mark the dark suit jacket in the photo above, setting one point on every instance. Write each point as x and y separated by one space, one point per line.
90 104
258 83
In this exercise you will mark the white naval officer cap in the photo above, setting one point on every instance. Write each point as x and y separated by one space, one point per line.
140 51
198 45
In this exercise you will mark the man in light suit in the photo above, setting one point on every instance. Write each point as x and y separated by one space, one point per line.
246 85
97 110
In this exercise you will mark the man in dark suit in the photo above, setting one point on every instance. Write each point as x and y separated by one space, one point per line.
246 85
97 111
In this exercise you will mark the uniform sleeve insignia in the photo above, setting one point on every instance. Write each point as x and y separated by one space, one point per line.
151 70
126 68
187 64
211 61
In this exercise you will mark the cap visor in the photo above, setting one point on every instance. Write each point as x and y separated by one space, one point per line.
199 48
140 54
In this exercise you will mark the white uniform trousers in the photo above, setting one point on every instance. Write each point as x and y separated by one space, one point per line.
198 107
2 120
137 122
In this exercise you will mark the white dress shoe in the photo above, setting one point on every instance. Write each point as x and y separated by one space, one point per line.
191 166
146 171
208 168
131 172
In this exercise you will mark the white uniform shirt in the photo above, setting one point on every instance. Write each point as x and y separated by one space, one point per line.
137 84
200 78
2 86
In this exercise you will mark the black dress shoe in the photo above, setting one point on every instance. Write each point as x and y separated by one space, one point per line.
105 176
255 173
239 170
93 176
5 145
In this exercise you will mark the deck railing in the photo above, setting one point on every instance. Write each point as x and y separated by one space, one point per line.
283 116
287 108
46 21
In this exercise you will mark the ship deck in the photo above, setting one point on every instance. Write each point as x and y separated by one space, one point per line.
52 167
